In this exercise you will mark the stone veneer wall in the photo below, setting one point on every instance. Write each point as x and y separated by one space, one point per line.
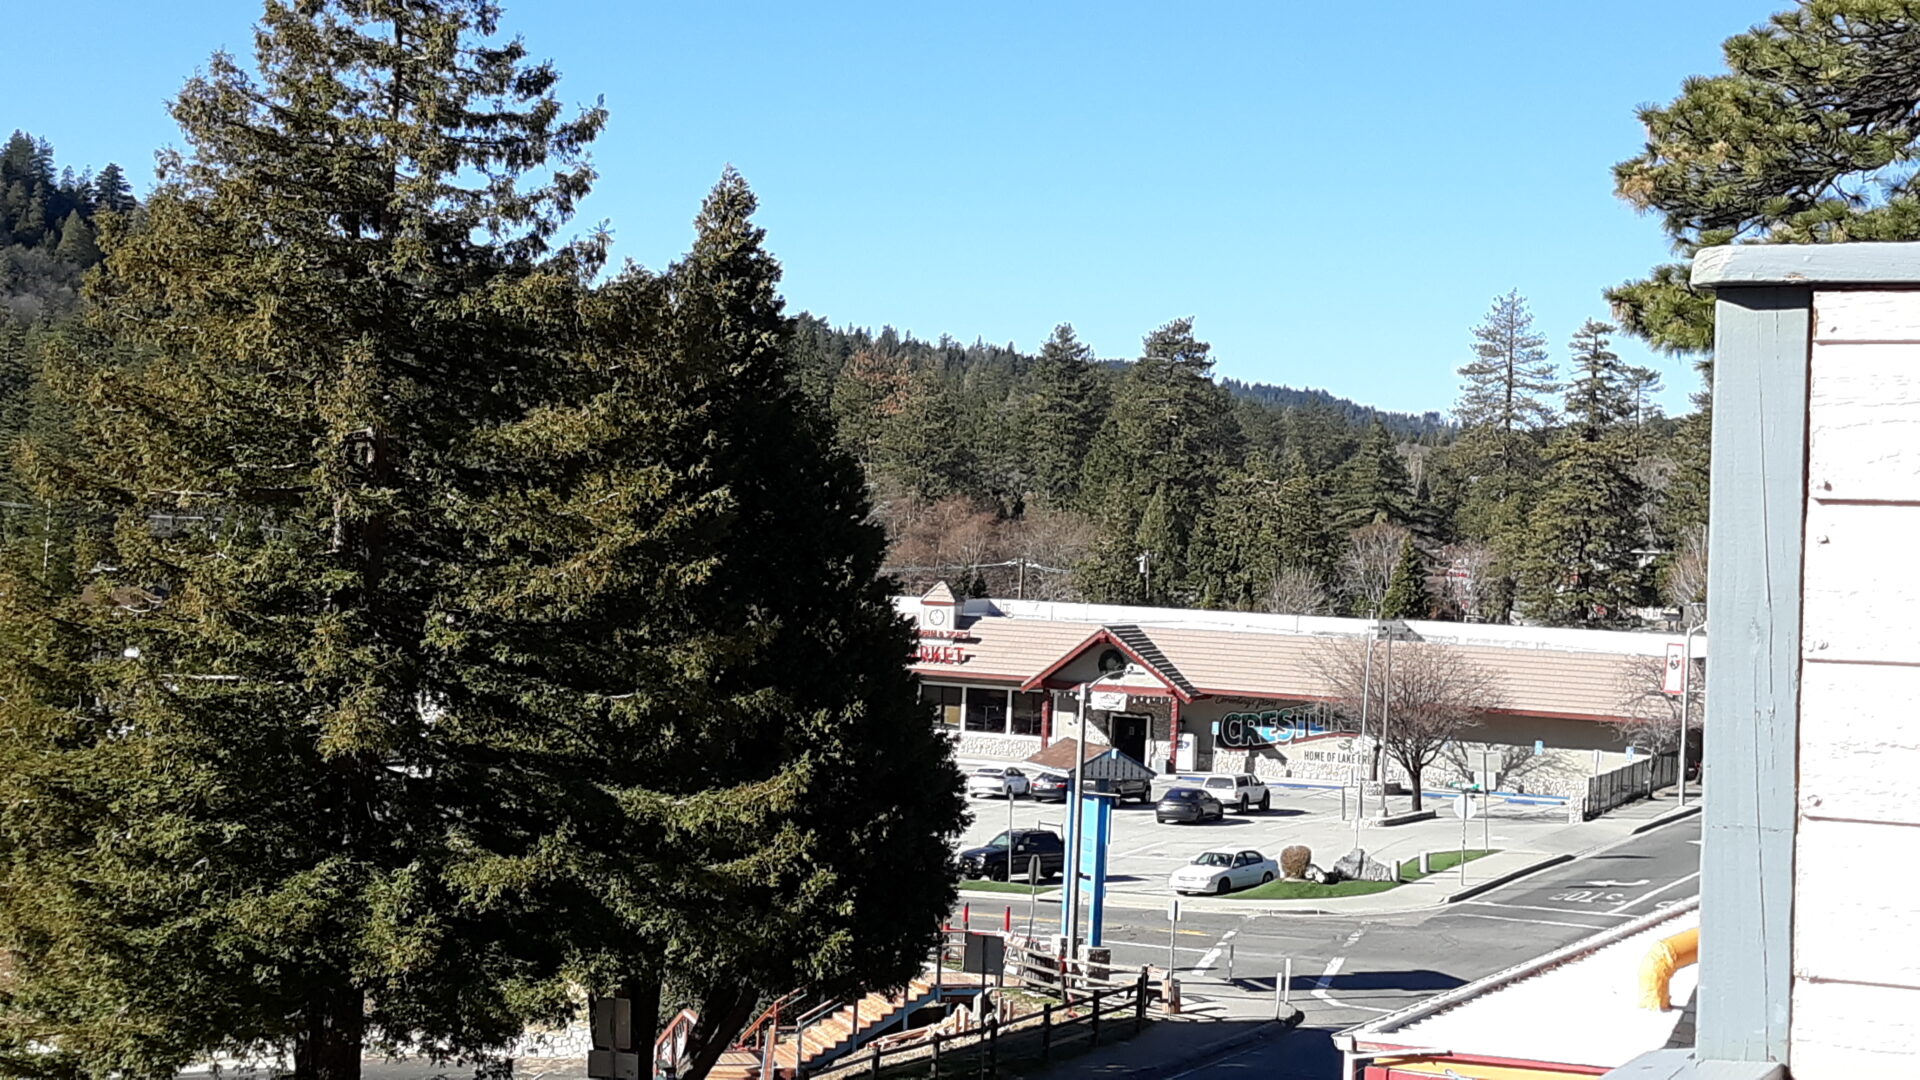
1557 772
984 746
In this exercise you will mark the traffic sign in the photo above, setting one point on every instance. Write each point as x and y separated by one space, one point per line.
1466 806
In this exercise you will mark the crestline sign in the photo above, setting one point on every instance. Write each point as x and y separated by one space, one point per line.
1240 731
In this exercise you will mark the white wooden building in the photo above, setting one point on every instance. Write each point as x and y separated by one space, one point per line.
1810 904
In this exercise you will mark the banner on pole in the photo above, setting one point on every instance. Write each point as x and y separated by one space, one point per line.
1675 682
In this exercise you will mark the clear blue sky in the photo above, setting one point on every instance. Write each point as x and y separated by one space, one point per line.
1335 191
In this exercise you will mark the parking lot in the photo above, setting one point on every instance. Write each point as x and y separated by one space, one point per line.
1144 852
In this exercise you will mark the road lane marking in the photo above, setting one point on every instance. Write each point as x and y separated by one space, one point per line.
1326 980
1644 897
1537 907
1531 922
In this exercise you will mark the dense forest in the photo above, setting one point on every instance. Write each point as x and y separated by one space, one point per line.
1557 492
1554 491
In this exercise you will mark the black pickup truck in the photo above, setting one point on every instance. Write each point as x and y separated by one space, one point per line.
990 860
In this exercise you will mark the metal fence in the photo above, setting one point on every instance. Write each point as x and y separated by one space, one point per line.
1634 780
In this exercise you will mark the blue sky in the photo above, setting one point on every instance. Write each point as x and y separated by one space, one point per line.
1334 191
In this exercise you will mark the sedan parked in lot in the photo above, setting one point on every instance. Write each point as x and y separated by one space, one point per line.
1188 804
1223 872
1049 786
999 781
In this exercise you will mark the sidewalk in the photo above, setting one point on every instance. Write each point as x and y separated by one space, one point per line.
1212 1021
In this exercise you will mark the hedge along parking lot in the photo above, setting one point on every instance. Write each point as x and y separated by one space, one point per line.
1144 853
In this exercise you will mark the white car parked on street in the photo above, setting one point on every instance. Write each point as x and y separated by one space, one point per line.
1223 871
997 782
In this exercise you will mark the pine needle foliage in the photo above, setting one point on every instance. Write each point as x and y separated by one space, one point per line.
1807 138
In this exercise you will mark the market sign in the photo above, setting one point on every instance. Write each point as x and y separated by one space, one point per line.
942 654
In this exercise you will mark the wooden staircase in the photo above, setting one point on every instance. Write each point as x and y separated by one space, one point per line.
835 1033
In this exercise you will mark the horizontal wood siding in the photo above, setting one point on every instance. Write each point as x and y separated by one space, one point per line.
1846 1031
1856 992
1860 743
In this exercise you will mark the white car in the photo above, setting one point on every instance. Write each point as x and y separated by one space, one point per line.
1223 871
1242 791
998 782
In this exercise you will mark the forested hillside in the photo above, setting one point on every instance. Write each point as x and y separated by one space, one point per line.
1558 494
1553 491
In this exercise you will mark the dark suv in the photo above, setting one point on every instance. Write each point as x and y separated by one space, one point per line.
990 860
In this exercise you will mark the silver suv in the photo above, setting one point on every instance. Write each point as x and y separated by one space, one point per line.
1242 791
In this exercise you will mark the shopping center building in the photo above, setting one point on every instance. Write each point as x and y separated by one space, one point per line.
1219 691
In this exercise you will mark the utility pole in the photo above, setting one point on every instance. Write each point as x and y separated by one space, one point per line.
1145 562
1386 709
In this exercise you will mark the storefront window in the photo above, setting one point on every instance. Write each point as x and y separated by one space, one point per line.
1026 713
948 700
986 710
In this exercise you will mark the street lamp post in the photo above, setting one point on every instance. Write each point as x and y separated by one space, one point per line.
1686 706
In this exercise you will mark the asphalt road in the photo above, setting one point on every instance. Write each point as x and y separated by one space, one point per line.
1349 969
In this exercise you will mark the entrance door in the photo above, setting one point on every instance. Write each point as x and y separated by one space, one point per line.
1129 734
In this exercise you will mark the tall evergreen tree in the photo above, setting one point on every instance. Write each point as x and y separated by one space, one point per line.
696 586
111 190
244 805
1372 485
1505 385
76 242
920 448
1582 565
1065 405
1168 438
1407 594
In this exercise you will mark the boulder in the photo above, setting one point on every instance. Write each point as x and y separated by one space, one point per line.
1317 876
1295 860
1355 866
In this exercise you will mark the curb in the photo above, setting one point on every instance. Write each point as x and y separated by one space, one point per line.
1207 1050
1011 897
1667 818
1506 879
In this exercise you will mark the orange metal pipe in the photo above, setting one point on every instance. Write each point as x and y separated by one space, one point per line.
1667 956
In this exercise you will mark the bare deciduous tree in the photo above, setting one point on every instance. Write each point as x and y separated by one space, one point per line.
1509 764
1297 590
1685 581
1372 552
1469 570
1654 714
1433 694
1051 541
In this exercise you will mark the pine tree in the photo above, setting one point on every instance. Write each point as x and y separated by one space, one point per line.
872 387
1169 436
111 190
697 586
1407 594
1802 140
1372 486
1582 563
1505 385
246 805
1066 403
76 242
920 448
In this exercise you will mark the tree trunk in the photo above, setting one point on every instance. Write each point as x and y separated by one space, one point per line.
1413 781
723 1012
644 992
328 1046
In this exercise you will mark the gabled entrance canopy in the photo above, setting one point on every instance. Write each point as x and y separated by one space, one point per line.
1148 671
